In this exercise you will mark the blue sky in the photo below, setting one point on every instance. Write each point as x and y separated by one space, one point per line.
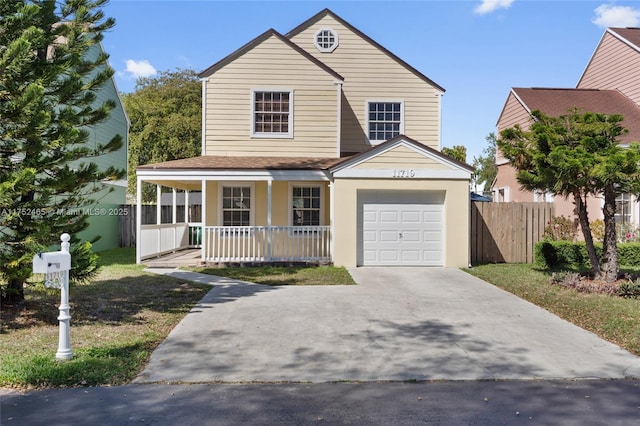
476 50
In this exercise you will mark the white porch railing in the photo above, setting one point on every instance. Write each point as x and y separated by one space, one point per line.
156 240
267 243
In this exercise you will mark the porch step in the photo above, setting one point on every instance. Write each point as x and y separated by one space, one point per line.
188 257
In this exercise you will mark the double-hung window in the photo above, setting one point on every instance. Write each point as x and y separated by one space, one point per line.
272 114
236 205
623 208
305 205
385 120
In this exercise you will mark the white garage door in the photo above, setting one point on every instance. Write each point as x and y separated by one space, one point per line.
402 234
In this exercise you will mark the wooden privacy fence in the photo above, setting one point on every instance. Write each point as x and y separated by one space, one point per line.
127 229
507 232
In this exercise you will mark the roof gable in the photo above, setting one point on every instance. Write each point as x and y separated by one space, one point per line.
512 110
258 41
403 153
628 36
326 12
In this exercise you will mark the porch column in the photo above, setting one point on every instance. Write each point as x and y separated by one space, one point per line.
175 206
203 220
159 205
269 231
138 219
159 215
269 193
174 216
332 211
187 210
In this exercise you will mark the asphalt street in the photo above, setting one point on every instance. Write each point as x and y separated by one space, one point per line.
560 402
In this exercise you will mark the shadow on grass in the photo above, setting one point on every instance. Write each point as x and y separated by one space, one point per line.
284 275
106 301
254 273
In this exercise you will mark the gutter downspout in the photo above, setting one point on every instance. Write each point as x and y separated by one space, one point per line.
338 118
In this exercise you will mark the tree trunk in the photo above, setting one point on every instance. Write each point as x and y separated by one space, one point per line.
14 292
609 265
583 217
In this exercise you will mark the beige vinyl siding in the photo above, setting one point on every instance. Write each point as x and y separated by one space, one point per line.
401 157
614 66
370 74
280 201
271 66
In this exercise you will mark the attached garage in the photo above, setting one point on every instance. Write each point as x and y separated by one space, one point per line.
401 228
400 204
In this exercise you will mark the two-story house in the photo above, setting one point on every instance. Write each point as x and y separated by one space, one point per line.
318 145
608 85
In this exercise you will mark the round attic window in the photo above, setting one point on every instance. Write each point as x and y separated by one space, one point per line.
326 40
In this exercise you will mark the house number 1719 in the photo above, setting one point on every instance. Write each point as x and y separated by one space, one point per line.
404 173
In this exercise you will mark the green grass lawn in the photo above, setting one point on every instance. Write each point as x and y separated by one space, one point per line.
117 321
613 318
284 275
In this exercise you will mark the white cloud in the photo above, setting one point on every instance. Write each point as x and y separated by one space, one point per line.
141 68
616 16
489 6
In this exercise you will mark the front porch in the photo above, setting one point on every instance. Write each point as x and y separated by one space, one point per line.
233 244
275 210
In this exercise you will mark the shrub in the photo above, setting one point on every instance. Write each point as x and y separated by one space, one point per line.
562 254
84 263
567 254
630 289
561 228
629 254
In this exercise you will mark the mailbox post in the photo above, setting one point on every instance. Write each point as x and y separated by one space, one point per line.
56 265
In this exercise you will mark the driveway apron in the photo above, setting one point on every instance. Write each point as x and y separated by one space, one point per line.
396 324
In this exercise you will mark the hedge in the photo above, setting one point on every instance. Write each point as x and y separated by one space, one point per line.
568 254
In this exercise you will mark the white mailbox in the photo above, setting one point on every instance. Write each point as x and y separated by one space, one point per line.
55 266
51 262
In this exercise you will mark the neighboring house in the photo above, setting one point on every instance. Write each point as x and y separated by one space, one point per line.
104 213
608 85
305 158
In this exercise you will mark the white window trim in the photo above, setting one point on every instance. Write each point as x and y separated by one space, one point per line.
232 184
254 134
542 197
386 101
326 49
306 185
631 200
496 194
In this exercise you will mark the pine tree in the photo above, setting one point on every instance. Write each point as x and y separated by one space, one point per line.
48 104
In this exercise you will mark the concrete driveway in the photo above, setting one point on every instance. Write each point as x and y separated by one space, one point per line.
396 324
